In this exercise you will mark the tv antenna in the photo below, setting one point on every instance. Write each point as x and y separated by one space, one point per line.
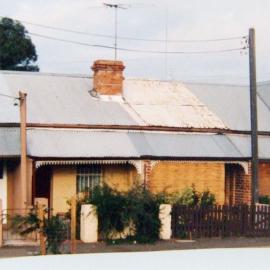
116 7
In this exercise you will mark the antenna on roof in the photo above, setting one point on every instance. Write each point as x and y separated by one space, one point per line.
116 7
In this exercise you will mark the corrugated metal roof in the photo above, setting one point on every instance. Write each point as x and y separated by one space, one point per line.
163 103
99 144
67 143
231 104
242 143
59 99
65 100
9 142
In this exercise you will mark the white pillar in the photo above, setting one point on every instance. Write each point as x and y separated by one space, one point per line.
1 225
166 220
89 224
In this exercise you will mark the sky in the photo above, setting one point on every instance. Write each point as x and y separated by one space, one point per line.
160 20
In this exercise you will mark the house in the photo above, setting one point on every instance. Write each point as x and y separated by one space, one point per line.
83 131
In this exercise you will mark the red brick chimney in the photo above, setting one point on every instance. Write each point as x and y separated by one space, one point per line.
108 77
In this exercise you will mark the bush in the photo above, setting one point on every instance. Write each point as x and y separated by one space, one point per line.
191 197
137 210
264 199
54 229
113 210
207 198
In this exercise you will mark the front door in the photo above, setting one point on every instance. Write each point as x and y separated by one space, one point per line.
43 183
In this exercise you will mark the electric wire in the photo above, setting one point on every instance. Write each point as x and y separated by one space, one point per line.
129 38
137 50
8 96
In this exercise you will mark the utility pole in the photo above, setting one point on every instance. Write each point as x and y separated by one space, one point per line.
116 7
253 114
23 168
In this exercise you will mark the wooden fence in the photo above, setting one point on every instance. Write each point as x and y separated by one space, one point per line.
220 221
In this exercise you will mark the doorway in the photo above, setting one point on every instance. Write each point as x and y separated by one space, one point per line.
42 183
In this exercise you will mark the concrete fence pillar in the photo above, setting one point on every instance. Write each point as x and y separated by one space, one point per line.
89 224
166 220
1 224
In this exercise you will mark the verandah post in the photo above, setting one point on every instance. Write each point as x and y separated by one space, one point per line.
73 225
40 210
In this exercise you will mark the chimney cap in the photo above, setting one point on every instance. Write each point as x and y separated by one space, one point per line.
108 64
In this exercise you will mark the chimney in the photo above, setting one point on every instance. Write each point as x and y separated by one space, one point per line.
108 77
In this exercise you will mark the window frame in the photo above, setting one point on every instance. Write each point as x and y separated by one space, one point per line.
88 177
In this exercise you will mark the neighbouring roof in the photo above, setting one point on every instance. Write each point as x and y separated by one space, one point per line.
9 142
231 103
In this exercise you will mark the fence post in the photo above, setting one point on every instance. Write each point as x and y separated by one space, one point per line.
1 224
73 224
41 234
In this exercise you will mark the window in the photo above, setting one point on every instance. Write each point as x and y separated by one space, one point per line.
1 169
88 177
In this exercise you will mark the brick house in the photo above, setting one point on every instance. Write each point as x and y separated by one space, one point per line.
83 131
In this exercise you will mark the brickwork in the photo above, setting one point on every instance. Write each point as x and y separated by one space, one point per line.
237 184
175 176
120 177
147 172
108 77
264 178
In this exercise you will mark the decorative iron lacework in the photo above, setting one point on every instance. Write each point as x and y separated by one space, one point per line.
88 177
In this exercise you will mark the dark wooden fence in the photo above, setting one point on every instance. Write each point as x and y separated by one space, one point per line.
220 221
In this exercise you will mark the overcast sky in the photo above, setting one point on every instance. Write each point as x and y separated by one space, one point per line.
184 20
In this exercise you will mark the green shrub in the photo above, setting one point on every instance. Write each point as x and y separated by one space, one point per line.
191 197
207 198
54 229
264 199
144 207
113 210
137 209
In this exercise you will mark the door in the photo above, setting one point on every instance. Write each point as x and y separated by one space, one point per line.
43 183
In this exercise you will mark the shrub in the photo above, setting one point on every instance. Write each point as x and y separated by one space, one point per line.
191 197
137 209
113 210
54 229
264 199
145 213
207 198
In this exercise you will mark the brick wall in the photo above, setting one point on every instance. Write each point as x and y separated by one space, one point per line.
120 177
264 178
237 184
175 176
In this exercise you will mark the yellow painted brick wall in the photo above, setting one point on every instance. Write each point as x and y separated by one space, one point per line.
63 187
120 177
175 176
264 178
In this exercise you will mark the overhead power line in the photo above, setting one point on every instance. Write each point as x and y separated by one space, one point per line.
130 38
8 96
137 50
